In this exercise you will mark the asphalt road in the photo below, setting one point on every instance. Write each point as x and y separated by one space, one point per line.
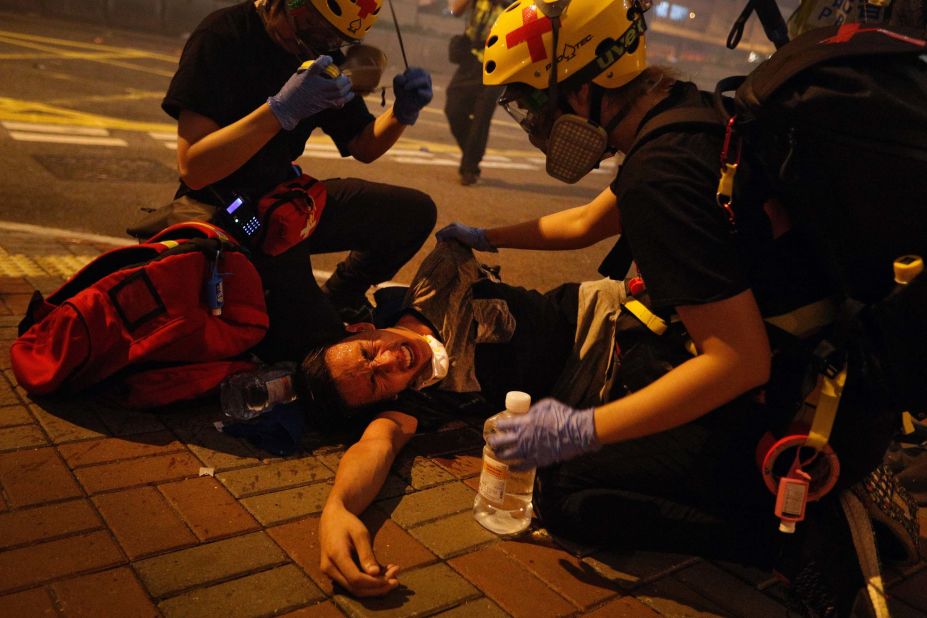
85 146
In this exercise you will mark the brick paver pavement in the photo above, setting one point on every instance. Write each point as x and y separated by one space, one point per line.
113 512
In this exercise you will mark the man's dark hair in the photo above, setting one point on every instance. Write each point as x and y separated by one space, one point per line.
316 388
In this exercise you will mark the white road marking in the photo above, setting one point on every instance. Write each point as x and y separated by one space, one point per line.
55 232
57 129
322 155
167 139
419 161
406 152
501 165
67 139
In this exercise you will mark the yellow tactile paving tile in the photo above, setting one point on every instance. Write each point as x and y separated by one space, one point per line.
18 265
63 265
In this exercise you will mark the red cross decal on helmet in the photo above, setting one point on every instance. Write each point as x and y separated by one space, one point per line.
531 31
366 7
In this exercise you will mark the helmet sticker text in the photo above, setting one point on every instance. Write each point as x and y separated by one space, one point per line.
531 32
570 49
625 43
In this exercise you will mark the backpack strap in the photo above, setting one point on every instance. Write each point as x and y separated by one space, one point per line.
192 229
677 118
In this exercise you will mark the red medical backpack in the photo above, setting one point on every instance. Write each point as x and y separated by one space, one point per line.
140 318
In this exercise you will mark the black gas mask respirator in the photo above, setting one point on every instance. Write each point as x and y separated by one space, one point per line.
574 145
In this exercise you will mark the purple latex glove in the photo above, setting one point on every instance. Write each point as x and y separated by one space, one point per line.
308 93
550 432
473 237
412 90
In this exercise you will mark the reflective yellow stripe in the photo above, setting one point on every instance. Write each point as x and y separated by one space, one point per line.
170 244
907 423
645 315
826 411
219 232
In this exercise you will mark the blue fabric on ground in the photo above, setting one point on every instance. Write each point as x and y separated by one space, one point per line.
277 431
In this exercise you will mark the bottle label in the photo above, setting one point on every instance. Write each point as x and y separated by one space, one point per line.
279 390
492 480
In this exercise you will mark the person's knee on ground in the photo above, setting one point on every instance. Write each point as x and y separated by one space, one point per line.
413 216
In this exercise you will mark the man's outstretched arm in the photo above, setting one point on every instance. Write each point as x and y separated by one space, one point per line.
361 473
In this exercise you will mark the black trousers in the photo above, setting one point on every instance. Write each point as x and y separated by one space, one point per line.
697 488
469 109
381 225
531 361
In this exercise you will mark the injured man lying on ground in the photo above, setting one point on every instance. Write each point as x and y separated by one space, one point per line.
460 330
460 339
458 342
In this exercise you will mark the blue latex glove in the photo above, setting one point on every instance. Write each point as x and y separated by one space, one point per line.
473 237
550 432
309 93
412 90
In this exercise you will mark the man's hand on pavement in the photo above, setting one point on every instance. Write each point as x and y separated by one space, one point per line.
309 92
342 535
412 89
473 237
549 432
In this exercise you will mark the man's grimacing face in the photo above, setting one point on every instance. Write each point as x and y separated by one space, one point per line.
375 365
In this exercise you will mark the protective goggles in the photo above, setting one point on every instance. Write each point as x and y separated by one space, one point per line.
531 109
314 34
574 145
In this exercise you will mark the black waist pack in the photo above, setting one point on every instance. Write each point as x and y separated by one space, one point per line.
459 49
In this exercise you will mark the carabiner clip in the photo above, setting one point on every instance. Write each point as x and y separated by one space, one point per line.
729 166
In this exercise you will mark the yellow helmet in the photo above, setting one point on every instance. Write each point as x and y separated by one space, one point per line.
600 41
351 19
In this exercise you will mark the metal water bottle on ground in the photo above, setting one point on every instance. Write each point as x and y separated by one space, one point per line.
246 395
503 503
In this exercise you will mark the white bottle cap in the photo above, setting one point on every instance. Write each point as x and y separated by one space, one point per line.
517 402
786 526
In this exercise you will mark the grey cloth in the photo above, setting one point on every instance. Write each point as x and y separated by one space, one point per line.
441 293
589 373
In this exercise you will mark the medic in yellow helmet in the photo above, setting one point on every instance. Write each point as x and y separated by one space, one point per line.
321 26
597 43
671 465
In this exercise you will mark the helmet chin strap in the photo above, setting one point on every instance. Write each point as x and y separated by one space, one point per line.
596 96
553 10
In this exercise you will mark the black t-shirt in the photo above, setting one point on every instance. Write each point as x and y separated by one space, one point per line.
684 246
229 67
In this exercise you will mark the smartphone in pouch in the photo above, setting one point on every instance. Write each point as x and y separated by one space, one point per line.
240 219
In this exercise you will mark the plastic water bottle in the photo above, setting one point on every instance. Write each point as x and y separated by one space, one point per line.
503 503
251 393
